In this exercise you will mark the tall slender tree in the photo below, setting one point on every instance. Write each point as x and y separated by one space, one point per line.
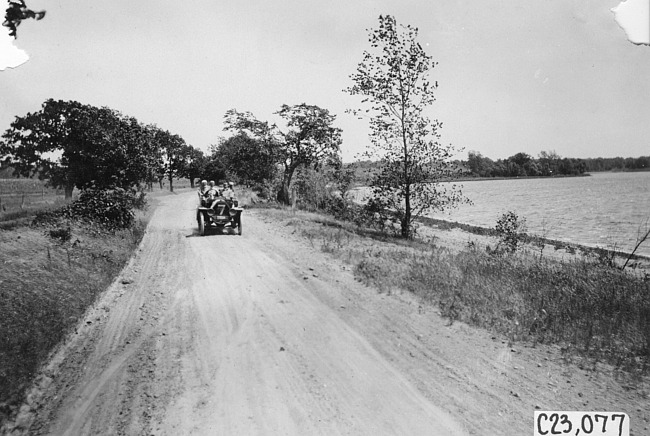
393 81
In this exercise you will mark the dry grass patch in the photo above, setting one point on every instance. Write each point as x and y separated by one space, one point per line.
588 309
50 275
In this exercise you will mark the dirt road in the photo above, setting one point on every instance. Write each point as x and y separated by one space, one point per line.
220 335
264 334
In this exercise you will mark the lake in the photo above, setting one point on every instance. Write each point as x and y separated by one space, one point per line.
604 209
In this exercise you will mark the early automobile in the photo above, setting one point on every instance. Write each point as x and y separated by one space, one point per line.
219 213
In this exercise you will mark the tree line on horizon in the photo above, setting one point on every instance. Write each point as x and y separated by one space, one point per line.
547 164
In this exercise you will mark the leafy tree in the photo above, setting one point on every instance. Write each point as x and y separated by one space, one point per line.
549 162
308 140
393 79
77 145
480 165
532 168
214 170
174 155
642 162
152 157
249 159
475 162
16 12
129 149
521 159
195 162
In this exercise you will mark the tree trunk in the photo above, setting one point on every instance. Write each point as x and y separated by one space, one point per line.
284 196
192 182
171 182
406 221
68 191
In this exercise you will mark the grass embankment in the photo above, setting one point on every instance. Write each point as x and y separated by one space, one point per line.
50 276
595 311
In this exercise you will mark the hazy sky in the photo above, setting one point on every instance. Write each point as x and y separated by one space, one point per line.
513 75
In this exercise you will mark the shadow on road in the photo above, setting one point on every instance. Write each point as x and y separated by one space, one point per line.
224 231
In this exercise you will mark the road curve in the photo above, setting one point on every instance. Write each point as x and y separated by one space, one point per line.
220 335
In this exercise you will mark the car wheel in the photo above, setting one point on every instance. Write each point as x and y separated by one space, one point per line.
201 224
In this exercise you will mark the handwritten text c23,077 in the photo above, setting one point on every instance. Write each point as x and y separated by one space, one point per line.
578 423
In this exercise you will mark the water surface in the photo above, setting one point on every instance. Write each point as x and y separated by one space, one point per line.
604 209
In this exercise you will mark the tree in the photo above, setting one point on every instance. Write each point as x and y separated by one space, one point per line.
16 12
308 140
174 155
393 80
214 170
249 159
518 164
152 157
521 159
549 162
77 145
195 162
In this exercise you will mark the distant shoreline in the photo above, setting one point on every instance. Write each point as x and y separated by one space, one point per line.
559 176
482 179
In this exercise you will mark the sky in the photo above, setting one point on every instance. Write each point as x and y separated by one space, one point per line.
514 76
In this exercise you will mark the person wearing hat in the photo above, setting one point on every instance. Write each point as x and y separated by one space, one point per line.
233 196
228 193
203 189
212 193
213 187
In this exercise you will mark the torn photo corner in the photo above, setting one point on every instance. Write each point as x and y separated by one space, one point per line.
10 55
633 16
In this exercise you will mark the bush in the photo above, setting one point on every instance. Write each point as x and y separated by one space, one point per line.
110 208
312 189
511 229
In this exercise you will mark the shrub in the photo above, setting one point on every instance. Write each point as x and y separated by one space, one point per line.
110 208
511 229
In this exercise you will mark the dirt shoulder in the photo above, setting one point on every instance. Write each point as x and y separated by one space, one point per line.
267 334
491 386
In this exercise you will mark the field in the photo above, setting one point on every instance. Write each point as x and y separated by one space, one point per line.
20 198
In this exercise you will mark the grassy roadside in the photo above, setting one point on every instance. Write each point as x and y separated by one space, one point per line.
49 277
588 309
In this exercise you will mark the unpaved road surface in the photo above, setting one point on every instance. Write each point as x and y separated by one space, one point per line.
262 334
